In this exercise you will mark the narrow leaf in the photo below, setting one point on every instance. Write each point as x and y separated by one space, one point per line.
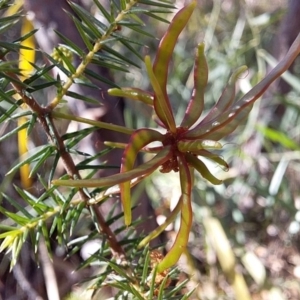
227 97
186 219
161 102
196 104
94 25
138 140
119 55
214 157
194 146
157 231
99 77
145 169
167 44
133 94
201 168
82 97
231 118
14 131
71 46
104 12
278 137
39 152
82 33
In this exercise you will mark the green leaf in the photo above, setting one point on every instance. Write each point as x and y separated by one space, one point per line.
119 56
196 104
99 77
15 47
93 157
167 44
52 171
18 206
82 97
131 49
26 36
14 131
8 22
186 219
158 18
96 27
177 289
137 29
6 114
109 62
227 97
201 168
70 45
139 139
133 94
20 220
33 155
145 169
48 153
146 264
58 65
278 137
104 12
153 283
75 137
42 86
161 101
228 121
75 216
162 288
67 61
31 124
82 32
41 72
164 4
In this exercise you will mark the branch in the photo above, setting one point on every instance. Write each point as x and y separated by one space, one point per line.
88 58
44 115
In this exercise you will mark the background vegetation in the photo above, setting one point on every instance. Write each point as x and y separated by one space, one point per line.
257 206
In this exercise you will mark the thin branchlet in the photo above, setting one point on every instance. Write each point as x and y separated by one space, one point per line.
44 116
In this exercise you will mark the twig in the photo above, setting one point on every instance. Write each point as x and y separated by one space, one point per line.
73 173
90 55
44 115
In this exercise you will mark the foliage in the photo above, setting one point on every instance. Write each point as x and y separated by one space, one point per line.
56 213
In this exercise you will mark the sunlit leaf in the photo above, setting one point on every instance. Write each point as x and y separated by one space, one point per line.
138 140
146 168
